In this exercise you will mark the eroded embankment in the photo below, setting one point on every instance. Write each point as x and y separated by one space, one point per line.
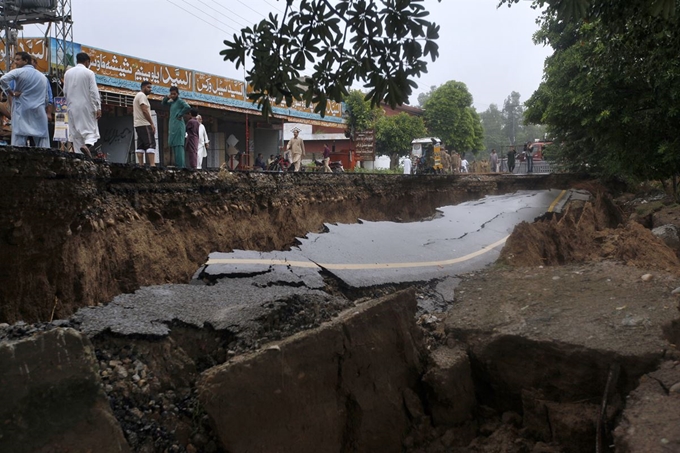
77 233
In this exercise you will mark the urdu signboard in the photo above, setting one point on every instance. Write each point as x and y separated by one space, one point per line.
126 72
37 47
364 145
135 70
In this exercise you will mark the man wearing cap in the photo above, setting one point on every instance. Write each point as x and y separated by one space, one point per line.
297 148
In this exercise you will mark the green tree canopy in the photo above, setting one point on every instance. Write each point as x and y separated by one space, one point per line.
492 122
360 115
496 122
393 134
513 111
606 10
316 51
423 97
610 93
449 115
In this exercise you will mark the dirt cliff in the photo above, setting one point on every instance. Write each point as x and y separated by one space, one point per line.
76 233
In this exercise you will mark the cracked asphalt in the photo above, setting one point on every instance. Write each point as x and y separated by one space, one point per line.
247 286
460 239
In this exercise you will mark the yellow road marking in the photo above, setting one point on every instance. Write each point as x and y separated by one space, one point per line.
557 200
309 264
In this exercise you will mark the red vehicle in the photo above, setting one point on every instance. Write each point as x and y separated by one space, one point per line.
537 148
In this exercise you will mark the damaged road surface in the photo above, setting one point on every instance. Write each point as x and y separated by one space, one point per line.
336 345
457 239
247 287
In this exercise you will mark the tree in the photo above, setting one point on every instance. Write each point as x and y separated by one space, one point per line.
512 115
359 114
450 116
566 10
382 43
423 97
492 122
610 93
393 134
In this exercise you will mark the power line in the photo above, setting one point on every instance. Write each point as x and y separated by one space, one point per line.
201 19
214 18
235 14
228 17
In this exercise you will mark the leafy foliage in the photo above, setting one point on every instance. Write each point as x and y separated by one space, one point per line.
492 122
393 134
450 116
606 10
611 90
382 43
423 97
512 114
360 115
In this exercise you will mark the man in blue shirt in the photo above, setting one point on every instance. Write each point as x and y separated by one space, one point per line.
30 100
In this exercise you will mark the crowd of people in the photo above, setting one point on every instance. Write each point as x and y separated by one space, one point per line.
30 95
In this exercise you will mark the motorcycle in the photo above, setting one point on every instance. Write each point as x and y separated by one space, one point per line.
280 164
335 166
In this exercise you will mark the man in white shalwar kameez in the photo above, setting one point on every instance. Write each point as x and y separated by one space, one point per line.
84 105
407 165
203 142
30 99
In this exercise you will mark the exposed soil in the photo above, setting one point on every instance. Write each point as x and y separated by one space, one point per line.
77 233
573 300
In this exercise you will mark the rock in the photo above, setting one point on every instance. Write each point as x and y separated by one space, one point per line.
449 387
676 291
675 388
54 376
356 369
669 235
647 277
121 372
648 416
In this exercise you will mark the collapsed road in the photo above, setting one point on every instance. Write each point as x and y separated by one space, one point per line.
531 355
243 286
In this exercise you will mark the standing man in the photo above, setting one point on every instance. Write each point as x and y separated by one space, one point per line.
203 142
191 146
30 101
326 159
463 165
297 148
144 127
494 161
407 165
511 159
84 105
530 157
176 127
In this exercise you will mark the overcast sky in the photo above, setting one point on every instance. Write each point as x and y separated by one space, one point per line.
488 48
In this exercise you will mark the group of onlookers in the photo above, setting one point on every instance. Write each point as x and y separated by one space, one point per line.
30 94
527 155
